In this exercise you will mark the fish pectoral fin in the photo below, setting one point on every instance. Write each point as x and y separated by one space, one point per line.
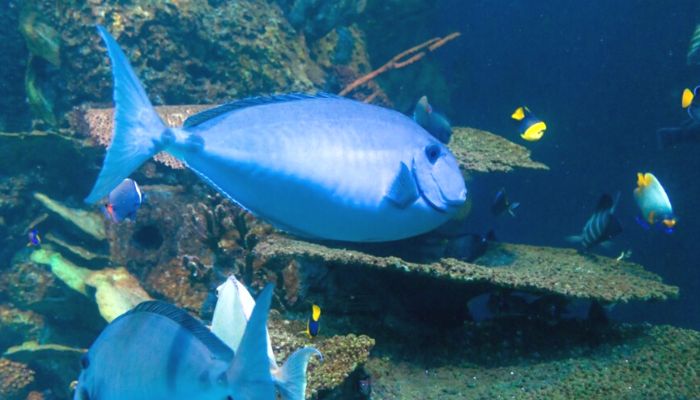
403 190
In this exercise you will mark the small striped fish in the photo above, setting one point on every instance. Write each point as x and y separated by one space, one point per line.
601 226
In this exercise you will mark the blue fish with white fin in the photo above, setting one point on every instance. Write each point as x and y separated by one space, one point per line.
124 201
318 166
234 308
158 351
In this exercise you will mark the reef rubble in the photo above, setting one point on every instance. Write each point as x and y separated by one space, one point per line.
520 267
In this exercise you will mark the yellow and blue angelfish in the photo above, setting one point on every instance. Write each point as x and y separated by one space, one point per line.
690 102
531 128
653 203
314 325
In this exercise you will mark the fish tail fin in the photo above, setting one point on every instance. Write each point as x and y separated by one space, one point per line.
139 133
575 239
687 98
249 373
290 380
512 207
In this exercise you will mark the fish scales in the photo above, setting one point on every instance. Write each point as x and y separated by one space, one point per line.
343 153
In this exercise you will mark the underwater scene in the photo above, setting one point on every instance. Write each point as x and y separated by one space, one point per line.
335 199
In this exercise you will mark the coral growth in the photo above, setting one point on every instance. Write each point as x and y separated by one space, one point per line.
540 269
15 379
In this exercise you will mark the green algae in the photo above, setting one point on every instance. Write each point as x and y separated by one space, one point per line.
72 275
88 222
116 291
482 151
531 268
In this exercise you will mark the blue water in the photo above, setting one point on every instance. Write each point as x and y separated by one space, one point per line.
604 77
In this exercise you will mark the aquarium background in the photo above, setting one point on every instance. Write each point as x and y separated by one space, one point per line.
603 75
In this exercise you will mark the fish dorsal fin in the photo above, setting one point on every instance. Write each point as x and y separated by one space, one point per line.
214 112
519 114
403 190
604 203
186 321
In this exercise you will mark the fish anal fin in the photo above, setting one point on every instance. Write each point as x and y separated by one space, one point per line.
403 190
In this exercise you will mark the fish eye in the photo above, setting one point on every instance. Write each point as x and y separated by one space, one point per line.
84 361
432 152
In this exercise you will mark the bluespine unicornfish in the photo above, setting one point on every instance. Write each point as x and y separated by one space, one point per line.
602 226
530 127
318 166
33 238
502 204
233 312
313 326
124 201
432 121
158 351
653 203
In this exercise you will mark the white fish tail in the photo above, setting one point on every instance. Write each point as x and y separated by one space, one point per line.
139 133
290 380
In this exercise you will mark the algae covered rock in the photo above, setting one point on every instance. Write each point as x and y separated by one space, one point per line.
115 290
482 151
342 354
624 362
530 268
56 365
15 379
184 52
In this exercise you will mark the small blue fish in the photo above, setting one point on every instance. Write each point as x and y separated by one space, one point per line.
501 204
158 351
124 201
432 121
602 226
314 325
33 238
318 166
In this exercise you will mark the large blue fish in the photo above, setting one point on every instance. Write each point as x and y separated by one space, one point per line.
317 166
158 351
